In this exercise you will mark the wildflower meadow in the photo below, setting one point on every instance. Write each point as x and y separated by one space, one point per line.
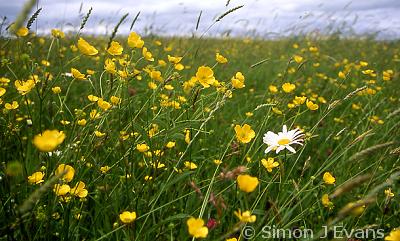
145 137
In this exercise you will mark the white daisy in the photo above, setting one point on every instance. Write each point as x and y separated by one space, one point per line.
282 140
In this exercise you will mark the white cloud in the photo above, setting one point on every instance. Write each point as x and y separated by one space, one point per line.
179 16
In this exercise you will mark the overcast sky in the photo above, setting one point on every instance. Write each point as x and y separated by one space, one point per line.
265 18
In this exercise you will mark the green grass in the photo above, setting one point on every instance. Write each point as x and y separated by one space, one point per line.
338 138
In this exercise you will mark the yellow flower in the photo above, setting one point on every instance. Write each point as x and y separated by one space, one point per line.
328 178
389 193
2 91
79 190
311 105
142 147
57 33
104 169
85 48
288 87
187 136
231 239
298 58
220 59
217 162
245 217
247 183
196 227
170 144
393 236
135 41
244 133
36 178
115 48
152 85
99 133
341 75
68 171
273 89
299 100
326 202
147 54
93 98
205 75
45 63
156 75
56 90
190 165
104 105
61 190
127 217
109 66
269 164
22 32
94 114
238 80
115 100
174 59
356 209
48 140
162 63
82 122
14 105
24 87
77 75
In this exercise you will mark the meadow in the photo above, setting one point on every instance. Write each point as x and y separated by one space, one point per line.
177 138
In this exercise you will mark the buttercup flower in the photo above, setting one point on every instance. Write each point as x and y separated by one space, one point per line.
147 54
2 91
174 59
283 140
127 217
104 169
142 147
12 106
22 32
79 190
56 90
328 178
170 144
77 75
57 33
247 183
394 235
311 105
115 48
288 87
48 140
190 165
85 48
269 164
205 76
61 190
326 202
104 105
36 178
135 41
24 87
244 133
196 227
69 172
220 59
245 217
238 80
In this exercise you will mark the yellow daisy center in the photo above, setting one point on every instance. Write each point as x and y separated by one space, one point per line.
284 141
